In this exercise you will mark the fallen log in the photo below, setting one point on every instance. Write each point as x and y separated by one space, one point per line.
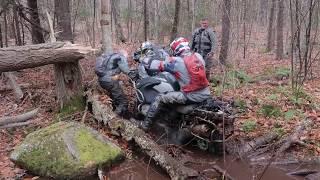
19 118
315 176
302 172
255 143
14 85
130 132
15 125
294 137
30 56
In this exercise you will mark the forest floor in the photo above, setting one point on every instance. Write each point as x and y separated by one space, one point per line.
259 85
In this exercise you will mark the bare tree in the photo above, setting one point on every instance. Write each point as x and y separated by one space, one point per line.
36 33
174 30
5 28
270 38
1 40
16 27
157 19
280 24
225 31
116 17
146 21
63 18
106 26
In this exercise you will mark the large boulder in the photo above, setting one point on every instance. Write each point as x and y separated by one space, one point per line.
66 151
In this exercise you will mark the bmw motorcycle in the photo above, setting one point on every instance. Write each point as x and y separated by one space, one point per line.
208 122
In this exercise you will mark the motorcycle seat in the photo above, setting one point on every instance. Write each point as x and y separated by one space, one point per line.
149 81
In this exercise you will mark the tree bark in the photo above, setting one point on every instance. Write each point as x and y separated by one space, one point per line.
263 11
225 32
1 39
280 24
116 17
19 118
30 56
106 26
157 20
63 18
130 132
270 38
5 28
146 21
17 27
36 33
193 15
174 30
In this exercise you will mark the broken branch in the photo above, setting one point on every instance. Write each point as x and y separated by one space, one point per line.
19 118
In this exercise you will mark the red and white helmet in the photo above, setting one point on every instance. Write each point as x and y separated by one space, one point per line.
179 45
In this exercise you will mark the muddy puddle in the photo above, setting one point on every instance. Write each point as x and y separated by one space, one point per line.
139 169
241 170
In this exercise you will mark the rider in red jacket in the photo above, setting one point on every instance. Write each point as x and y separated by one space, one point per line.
189 70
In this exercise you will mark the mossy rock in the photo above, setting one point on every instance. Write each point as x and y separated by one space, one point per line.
66 150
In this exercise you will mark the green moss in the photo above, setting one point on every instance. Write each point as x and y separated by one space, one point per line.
77 103
42 157
94 150
64 149
40 134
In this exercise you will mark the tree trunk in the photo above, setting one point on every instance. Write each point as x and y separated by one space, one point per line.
30 56
193 15
174 30
270 38
263 11
36 33
225 32
106 26
1 39
68 82
157 20
63 18
146 22
5 28
68 75
17 27
116 16
280 24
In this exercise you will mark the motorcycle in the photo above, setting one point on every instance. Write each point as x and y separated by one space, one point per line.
208 122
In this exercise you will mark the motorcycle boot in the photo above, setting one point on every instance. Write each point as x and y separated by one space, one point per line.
120 99
150 117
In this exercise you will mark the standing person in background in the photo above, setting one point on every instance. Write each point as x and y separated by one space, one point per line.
203 42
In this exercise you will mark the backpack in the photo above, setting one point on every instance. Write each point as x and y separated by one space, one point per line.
197 73
101 64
